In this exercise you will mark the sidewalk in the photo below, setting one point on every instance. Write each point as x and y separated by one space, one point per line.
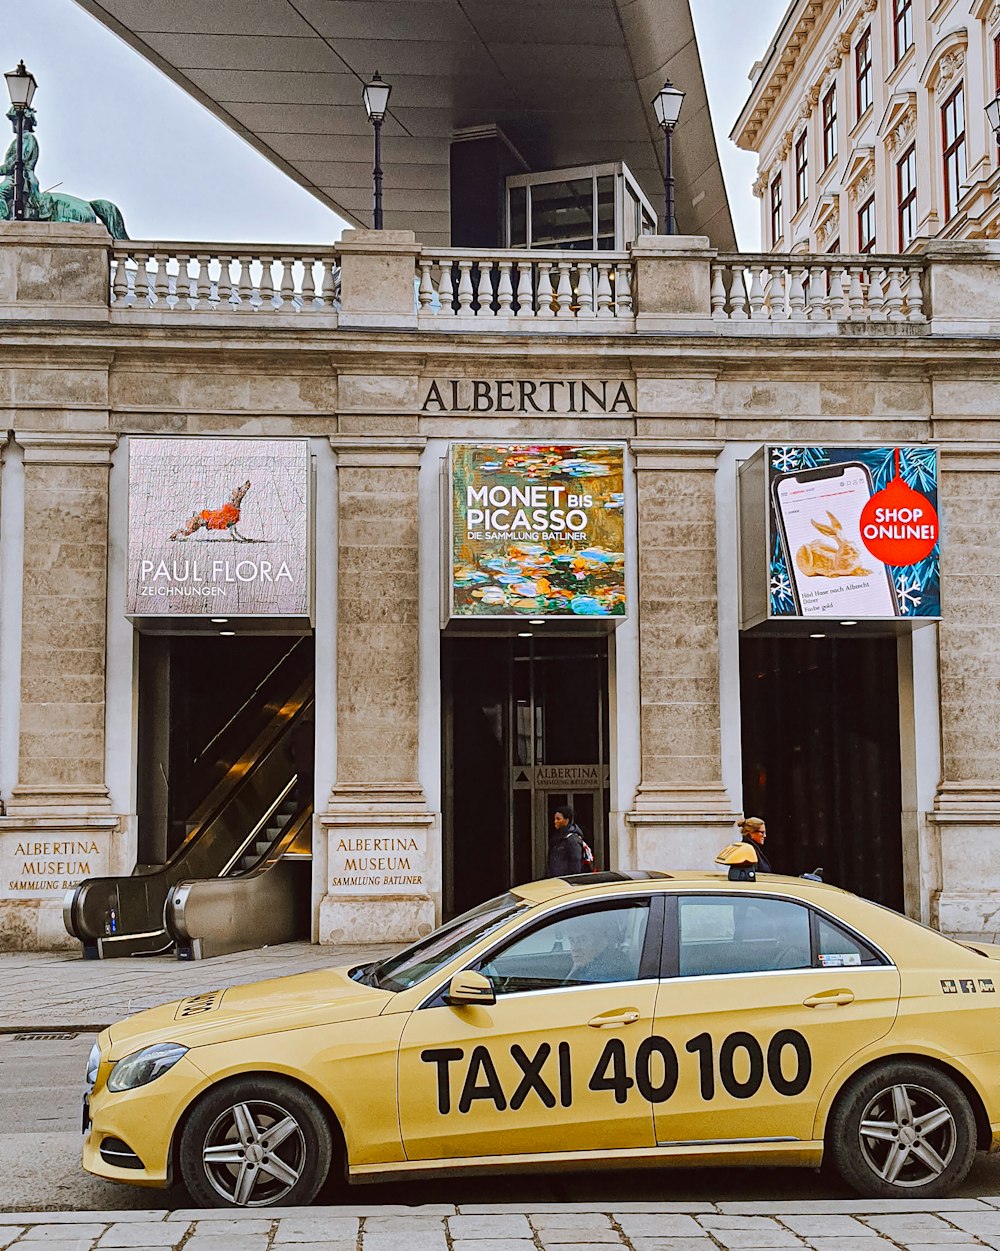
809 1225
62 991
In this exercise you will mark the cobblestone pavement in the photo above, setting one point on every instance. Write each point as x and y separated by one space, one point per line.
812 1225
61 990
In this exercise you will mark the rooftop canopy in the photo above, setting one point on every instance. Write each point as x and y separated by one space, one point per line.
566 83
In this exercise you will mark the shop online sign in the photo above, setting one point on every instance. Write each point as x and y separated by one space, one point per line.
854 532
218 528
537 530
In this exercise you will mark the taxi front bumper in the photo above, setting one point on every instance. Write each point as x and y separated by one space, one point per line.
144 1120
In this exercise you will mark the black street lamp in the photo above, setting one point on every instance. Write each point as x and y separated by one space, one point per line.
993 115
667 106
376 95
21 85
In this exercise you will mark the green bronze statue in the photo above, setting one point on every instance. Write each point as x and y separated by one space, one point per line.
48 206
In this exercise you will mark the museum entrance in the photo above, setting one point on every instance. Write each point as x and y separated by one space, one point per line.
525 724
821 758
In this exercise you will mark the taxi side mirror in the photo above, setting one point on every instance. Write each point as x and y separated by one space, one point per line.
468 988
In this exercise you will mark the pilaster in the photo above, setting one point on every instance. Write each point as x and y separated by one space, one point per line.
682 810
383 843
967 806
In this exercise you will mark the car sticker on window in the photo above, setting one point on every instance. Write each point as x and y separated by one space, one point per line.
840 959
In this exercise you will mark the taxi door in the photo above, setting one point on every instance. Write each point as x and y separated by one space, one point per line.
547 1066
767 999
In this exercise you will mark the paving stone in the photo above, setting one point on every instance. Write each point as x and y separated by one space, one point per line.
612 1206
209 1240
317 1229
74 1218
994 1199
673 1244
925 1226
766 1224
401 1240
74 1244
852 1207
810 1227
242 1227
503 1225
378 1224
141 1234
8 1233
492 1244
77 1232
977 1222
952 1246
737 1239
869 1241
545 1221
577 1233
659 1225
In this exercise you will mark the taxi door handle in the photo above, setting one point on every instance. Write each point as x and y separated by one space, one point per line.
614 1018
829 999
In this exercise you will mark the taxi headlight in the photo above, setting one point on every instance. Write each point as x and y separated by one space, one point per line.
93 1064
145 1066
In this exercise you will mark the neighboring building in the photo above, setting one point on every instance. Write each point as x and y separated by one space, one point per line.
868 120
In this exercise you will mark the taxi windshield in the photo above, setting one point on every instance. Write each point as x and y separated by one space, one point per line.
422 959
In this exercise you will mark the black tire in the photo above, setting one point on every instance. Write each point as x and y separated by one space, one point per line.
923 1132
228 1158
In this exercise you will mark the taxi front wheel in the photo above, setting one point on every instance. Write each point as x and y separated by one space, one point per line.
253 1143
902 1130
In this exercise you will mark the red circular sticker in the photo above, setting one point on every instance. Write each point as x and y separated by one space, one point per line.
899 526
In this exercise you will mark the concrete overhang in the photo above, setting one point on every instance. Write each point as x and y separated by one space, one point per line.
569 82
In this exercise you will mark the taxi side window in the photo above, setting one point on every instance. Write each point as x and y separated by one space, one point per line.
597 946
741 934
835 948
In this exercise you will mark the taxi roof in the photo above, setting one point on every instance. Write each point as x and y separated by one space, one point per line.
626 881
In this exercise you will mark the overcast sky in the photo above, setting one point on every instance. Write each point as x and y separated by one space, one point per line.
111 126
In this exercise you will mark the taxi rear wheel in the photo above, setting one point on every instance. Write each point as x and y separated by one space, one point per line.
902 1130
254 1143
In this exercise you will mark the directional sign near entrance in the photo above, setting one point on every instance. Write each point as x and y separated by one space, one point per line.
562 777
537 530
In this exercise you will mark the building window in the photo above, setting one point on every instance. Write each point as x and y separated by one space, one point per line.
829 126
801 169
777 228
953 133
902 27
863 72
906 195
866 226
834 246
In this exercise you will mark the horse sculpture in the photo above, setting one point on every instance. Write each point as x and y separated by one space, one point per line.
46 206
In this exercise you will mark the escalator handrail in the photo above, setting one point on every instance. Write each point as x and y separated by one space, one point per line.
86 908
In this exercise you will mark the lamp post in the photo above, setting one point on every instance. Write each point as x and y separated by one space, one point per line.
21 85
667 107
376 96
993 115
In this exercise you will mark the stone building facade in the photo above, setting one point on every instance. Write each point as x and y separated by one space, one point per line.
105 344
868 120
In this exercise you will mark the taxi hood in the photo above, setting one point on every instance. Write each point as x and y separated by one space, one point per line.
281 1003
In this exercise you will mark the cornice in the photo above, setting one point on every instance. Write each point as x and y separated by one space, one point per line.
946 61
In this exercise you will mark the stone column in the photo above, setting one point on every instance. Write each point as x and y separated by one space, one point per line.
967 809
58 824
383 843
682 814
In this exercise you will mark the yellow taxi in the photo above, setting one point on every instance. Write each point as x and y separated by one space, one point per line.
611 1019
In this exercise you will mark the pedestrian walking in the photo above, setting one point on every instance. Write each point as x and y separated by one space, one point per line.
754 832
567 848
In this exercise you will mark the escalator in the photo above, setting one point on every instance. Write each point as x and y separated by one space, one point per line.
241 874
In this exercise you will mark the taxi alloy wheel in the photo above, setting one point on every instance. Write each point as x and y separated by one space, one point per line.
903 1130
254 1144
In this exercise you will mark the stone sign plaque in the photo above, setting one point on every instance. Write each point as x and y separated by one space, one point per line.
382 863
44 865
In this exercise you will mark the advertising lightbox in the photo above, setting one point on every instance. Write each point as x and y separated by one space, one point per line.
843 533
218 528
537 530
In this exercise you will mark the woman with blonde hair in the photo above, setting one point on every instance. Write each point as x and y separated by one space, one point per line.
754 831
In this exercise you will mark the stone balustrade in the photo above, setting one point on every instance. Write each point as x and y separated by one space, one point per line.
387 280
456 284
211 279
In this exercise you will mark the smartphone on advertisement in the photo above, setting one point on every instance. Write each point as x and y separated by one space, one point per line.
819 519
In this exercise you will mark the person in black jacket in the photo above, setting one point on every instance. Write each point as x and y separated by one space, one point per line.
754 832
565 845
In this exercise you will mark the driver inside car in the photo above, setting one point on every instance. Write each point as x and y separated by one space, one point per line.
595 945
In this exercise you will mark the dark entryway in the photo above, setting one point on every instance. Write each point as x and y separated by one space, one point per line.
821 758
525 730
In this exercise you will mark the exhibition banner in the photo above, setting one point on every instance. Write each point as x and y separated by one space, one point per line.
218 528
537 530
854 532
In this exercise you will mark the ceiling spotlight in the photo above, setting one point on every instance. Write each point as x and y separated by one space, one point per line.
227 634
219 620
848 623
